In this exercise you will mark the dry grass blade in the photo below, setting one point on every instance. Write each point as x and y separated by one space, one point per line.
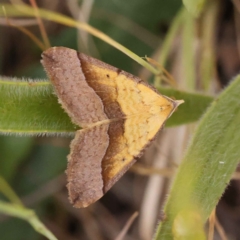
40 24
220 230
126 227
212 220
18 22
147 171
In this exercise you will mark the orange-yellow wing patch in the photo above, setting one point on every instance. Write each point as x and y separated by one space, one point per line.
120 115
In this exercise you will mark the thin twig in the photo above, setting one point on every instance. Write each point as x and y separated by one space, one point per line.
125 229
220 229
41 25
212 220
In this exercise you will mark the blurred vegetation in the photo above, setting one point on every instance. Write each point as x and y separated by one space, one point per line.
191 48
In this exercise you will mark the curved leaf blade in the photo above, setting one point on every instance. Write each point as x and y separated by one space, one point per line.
209 163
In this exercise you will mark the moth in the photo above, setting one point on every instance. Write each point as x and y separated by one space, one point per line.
119 115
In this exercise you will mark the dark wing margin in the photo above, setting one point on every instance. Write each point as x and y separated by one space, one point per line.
84 172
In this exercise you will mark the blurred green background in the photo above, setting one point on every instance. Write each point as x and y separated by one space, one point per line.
35 166
30 164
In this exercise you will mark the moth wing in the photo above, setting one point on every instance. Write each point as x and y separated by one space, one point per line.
77 98
139 110
84 172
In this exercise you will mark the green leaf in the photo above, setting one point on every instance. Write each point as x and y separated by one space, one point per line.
27 215
194 106
209 163
31 108
194 7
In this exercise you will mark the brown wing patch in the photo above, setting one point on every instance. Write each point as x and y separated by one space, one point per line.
77 98
84 172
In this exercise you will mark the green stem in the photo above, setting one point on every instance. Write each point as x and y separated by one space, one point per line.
27 215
